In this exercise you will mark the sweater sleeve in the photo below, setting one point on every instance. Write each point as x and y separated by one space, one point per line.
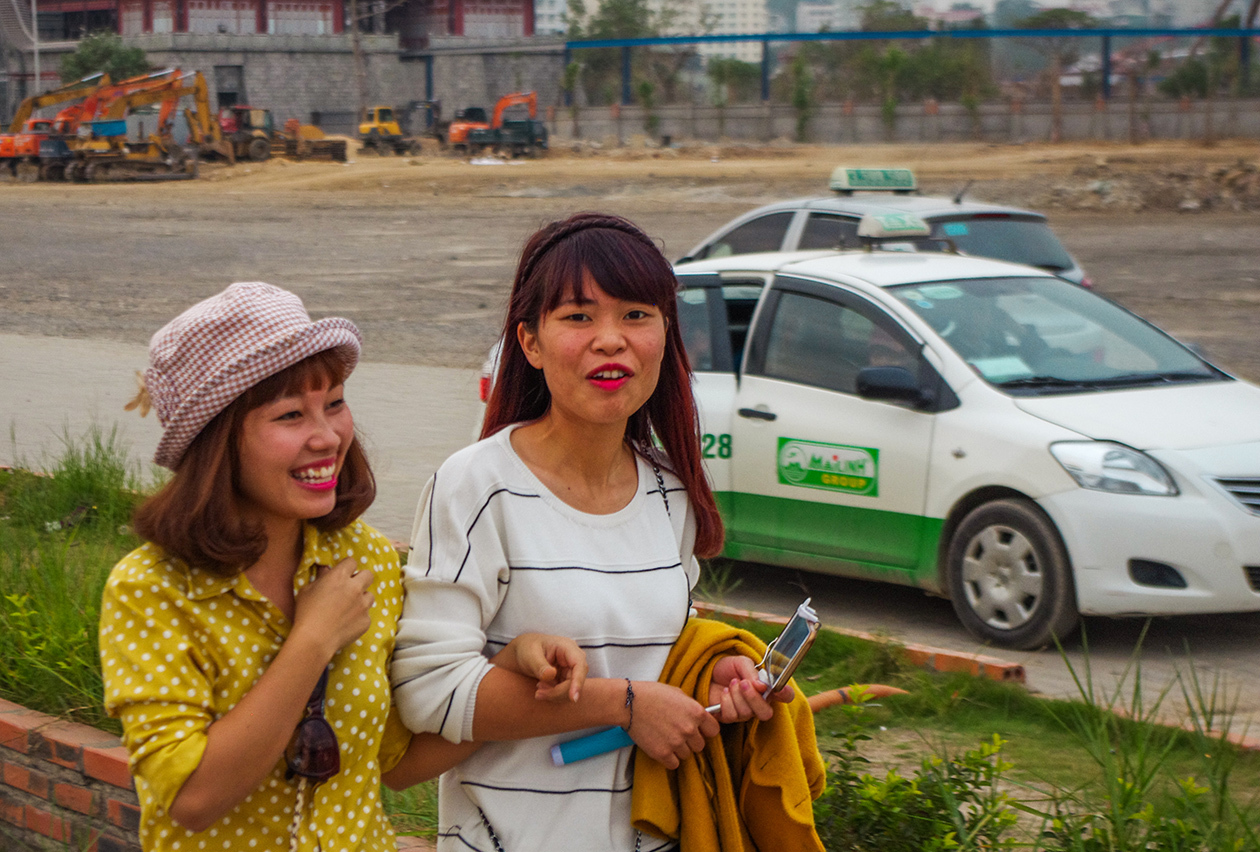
453 577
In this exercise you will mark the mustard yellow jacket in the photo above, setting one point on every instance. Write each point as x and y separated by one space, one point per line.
753 787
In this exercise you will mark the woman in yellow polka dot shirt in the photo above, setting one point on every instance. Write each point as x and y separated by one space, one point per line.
256 580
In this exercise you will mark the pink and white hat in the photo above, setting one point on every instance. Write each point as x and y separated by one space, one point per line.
213 352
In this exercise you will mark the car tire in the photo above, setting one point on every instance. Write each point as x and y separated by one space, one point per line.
1010 579
259 149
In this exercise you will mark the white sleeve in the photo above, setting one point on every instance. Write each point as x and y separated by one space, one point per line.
687 546
452 582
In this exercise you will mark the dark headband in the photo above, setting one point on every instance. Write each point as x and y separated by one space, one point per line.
583 222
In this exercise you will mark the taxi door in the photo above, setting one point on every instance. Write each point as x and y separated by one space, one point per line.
823 478
713 318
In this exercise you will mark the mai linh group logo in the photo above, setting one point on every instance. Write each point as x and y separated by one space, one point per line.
831 467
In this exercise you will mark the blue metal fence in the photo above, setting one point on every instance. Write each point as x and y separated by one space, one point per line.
1105 34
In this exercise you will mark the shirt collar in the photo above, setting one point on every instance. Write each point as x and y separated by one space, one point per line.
316 550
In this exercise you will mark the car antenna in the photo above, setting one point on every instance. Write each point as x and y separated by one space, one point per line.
959 197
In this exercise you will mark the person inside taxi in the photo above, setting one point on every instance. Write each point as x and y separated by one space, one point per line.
245 645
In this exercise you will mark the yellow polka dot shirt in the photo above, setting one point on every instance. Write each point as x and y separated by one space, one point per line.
181 646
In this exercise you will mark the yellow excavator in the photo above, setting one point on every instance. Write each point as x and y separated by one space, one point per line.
77 90
101 152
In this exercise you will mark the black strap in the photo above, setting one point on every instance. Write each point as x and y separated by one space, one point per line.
660 485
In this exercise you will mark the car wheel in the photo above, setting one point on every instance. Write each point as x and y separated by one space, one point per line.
1010 580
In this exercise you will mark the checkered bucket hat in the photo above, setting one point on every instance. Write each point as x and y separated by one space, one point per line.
213 352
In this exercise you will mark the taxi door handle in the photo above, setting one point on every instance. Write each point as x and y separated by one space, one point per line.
757 414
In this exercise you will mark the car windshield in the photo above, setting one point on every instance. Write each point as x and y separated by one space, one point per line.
1019 240
1036 336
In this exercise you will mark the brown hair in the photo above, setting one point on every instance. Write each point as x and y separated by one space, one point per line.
197 515
626 264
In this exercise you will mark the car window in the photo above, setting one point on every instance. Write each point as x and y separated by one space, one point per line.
822 343
828 231
696 329
1045 335
1027 241
764 233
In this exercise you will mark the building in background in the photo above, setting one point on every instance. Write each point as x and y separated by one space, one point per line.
550 17
814 16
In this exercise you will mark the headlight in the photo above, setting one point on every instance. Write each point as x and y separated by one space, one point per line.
1104 466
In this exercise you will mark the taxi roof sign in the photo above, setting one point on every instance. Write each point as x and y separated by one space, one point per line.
884 226
848 180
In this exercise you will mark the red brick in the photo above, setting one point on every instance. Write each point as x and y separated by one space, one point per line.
73 797
26 780
124 815
11 810
920 657
47 824
946 662
75 735
1008 672
113 844
13 734
108 765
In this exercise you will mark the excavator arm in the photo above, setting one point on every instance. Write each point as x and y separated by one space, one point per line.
530 99
81 88
205 129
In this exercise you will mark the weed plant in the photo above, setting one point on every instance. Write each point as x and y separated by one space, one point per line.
61 532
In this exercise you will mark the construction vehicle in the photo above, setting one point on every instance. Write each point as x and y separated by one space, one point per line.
252 135
515 137
30 163
379 132
423 120
21 144
101 151
466 120
77 90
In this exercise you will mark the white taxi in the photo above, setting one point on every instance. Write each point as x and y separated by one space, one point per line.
983 430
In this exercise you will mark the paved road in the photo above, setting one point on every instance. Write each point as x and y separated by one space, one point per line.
414 416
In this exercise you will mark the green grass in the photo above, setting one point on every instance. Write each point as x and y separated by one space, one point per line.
60 534
1080 776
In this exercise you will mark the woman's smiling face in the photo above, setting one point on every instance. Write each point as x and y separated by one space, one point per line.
291 450
600 356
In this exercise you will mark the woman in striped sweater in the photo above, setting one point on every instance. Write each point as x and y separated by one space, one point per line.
579 513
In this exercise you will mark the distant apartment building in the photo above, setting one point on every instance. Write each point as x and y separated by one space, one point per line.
549 17
735 17
814 16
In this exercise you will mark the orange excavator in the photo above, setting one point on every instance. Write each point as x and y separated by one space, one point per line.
23 124
512 136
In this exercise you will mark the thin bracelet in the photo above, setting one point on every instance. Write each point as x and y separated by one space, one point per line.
629 703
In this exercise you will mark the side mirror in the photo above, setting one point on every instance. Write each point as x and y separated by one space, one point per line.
892 384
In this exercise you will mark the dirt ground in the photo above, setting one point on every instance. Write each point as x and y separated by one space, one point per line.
419 251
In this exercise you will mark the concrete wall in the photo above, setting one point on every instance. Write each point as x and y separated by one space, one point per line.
479 72
294 76
854 124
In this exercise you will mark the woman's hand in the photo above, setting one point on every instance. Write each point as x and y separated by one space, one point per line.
740 692
668 725
335 608
556 662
